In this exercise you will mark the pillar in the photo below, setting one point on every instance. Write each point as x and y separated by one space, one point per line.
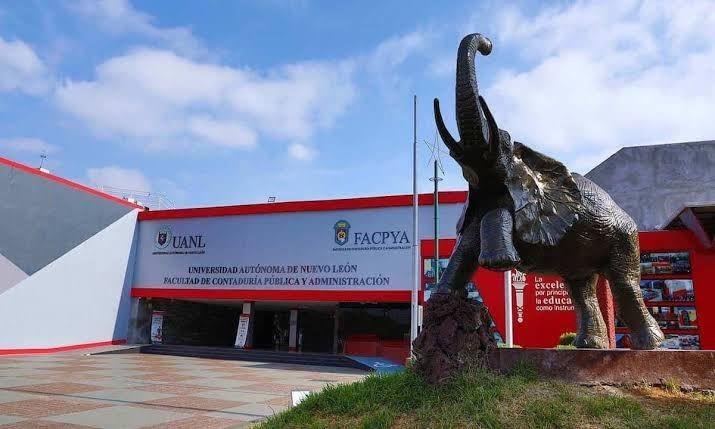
336 327
508 318
605 302
293 332
139 322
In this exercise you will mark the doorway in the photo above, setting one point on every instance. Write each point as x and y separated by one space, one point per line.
315 331
271 328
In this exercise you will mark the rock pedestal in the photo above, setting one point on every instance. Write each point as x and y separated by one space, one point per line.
455 337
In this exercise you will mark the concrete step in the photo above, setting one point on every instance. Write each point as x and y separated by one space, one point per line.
270 356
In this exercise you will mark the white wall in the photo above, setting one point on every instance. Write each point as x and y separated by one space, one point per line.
81 297
10 274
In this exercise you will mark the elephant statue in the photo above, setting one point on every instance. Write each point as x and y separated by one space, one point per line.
525 210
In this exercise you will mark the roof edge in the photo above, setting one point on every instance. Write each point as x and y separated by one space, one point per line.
69 183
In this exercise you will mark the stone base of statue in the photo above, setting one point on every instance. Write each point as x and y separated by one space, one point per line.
455 337
690 369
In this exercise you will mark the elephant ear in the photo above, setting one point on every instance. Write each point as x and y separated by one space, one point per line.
547 201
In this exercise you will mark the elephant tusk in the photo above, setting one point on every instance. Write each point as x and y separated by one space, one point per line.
447 138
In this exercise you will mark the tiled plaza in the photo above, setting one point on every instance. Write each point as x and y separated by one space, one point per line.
73 390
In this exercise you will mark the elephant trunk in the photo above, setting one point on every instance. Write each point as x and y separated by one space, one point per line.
470 119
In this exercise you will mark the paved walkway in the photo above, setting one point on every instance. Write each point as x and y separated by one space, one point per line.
71 390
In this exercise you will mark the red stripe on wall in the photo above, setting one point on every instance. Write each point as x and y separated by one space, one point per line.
274 295
667 241
71 184
61 348
448 197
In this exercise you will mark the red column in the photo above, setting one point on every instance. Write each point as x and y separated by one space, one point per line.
703 267
605 302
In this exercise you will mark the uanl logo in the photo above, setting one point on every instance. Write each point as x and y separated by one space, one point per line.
342 232
383 239
165 238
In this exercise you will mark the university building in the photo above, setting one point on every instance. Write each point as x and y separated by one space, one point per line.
79 267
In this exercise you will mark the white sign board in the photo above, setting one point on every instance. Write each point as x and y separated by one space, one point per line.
366 249
157 325
297 396
242 332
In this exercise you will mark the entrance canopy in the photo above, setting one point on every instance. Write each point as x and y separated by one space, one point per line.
700 219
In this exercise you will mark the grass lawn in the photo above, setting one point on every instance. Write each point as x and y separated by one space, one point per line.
484 400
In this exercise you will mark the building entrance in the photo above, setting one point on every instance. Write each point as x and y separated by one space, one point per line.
189 323
271 329
308 327
315 331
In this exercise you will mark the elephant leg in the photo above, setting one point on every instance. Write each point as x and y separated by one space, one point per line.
497 248
624 278
592 331
463 262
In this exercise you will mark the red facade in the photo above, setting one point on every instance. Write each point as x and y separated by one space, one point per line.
543 311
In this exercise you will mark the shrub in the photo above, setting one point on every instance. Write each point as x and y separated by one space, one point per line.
567 338
560 347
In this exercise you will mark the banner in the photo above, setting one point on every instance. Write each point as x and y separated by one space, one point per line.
242 332
367 249
157 323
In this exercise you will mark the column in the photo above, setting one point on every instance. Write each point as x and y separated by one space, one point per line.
293 332
336 327
508 316
139 322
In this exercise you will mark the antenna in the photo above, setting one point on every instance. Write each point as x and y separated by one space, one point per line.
436 152
43 157
436 179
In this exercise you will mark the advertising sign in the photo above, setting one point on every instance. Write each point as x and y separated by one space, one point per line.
157 324
242 332
368 249
542 309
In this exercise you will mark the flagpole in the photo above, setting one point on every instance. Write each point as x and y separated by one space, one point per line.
414 310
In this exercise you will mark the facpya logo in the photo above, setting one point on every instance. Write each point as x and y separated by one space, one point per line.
163 238
342 231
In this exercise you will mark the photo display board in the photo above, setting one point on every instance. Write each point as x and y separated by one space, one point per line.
428 279
669 294
665 263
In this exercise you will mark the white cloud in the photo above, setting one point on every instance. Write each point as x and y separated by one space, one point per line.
301 152
28 145
158 98
442 66
118 177
120 17
602 75
222 133
385 63
21 69
396 50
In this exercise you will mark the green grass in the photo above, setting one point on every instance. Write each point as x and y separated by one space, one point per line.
482 399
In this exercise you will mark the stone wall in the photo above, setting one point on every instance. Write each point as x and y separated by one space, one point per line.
652 183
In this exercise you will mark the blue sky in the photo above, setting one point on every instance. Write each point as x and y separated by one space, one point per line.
217 102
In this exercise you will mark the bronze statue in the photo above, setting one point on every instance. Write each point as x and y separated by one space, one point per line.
525 210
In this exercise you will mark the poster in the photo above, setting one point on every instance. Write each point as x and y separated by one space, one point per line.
668 290
242 332
429 281
665 263
681 342
157 324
